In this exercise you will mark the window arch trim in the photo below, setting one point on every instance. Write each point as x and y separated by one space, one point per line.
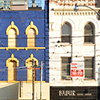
31 26
12 26
30 59
12 58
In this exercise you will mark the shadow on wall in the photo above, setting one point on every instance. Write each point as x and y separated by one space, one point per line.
98 83
9 91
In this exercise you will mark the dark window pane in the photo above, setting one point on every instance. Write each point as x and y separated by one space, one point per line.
65 33
65 39
88 74
89 67
88 62
64 60
88 32
66 29
88 39
88 29
68 69
65 67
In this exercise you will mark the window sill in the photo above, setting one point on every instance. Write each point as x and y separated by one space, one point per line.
84 80
65 43
88 44
89 80
70 79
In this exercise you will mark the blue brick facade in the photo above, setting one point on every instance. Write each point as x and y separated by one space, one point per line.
22 20
46 21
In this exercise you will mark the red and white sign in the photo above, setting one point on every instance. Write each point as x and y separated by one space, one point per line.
77 69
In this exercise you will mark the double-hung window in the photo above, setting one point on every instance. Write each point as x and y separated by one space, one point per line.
66 67
89 68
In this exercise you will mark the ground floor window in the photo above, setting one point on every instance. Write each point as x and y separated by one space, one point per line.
89 67
66 67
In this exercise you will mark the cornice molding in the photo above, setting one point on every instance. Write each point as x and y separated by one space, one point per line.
72 9
73 13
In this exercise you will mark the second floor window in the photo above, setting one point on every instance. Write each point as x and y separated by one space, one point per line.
88 33
31 42
31 32
66 33
12 38
12 32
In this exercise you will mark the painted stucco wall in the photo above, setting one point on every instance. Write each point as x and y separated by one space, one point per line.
77 50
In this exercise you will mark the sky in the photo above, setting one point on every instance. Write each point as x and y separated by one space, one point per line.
41 3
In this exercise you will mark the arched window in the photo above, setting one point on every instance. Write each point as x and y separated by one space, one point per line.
31 38
29 70
88 33
12 71
31 32
29 67
12 32
12 38
66 33
12 63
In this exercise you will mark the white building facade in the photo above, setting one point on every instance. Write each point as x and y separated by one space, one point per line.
74 38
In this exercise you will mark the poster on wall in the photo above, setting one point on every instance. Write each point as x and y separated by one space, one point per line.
77 70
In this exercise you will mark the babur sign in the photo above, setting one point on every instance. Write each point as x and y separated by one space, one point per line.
66 92
77 69
74 93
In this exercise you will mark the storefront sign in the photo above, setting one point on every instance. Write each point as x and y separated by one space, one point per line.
77 69
74 92
66 92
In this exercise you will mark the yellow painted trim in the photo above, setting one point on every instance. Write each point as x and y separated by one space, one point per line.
12 58
12 26
30 59
23 82
26 48
31 26
40 81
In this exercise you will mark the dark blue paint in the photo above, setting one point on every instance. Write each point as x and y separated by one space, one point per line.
22 20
